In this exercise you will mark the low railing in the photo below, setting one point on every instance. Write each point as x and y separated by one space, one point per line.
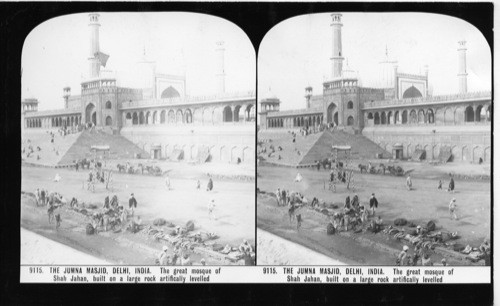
53 112
293 112
189 99
442 98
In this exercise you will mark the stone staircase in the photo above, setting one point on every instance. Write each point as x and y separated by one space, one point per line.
315 147
292 153
51 153
361 147
120 147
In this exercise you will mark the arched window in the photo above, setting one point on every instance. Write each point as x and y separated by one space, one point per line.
128 116
412 92
227 114
350 121
350 105
236 114
479 116
376 119
109 121
141 118
396 117
162 117
179 117
108 105
171 116
421 116
413 116
404 118
370 116
169 93
389 117
430 116
250 113
188 116
135 119
148 118
382 118
469 114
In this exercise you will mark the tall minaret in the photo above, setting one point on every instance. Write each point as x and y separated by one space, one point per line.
94 64
336 58
221 74
462 67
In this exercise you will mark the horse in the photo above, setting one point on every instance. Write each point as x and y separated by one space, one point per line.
84 162
382 168
121 168
363 167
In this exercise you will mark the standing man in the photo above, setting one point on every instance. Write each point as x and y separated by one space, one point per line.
451 186
163 257
211 207
408 183
402 256
167 182
109 180
132 202
373 204
452 208
291 210
210 184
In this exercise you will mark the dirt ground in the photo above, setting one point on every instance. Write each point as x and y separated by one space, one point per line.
234 211
425 202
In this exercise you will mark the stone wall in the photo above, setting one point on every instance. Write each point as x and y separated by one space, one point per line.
467 143
226 143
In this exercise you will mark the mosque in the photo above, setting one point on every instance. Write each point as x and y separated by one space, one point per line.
159 117
401 116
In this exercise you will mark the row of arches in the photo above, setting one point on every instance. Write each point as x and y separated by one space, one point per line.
218 153
53 122
444 115
465 153
296 121
206 115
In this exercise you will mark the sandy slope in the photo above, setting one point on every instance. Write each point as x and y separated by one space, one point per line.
38 250
274 250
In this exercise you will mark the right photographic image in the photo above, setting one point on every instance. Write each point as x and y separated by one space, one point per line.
374 141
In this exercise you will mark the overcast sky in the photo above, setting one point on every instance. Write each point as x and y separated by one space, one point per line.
55 53
296 52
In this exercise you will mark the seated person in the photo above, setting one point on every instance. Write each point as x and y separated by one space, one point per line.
355 202
314 202
378 224
136 224
485 246
106 203
245 247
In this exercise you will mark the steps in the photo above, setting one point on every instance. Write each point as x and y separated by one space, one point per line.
48 155
292 153
315 147
361 147
120 147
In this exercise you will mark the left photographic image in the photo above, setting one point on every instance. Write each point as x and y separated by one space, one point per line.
138 141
